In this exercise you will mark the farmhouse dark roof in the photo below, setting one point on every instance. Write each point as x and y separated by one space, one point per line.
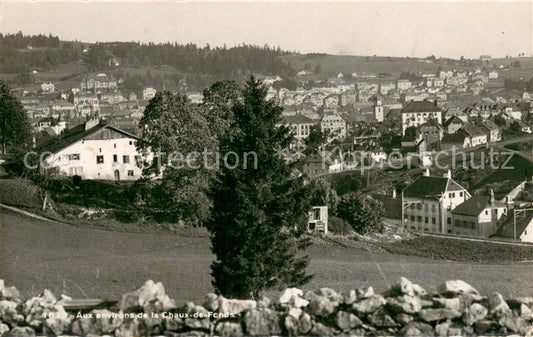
454 138
75 134
474 130
475 205
427 187
420 106
297 119
392 206
507 230
490 125
453 119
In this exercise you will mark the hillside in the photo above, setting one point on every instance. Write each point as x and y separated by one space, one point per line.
27 60
333 64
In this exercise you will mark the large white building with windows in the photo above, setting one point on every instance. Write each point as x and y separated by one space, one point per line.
416 113
429 201
300 125
94 150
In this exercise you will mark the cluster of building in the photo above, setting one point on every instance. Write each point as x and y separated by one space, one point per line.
53 110
438 204
449 109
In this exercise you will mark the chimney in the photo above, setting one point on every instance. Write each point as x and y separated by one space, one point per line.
426 173
491 197
448 174
394 193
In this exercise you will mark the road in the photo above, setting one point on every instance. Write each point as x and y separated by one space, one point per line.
83 262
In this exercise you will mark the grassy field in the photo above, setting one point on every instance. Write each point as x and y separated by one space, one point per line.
85 262
458 250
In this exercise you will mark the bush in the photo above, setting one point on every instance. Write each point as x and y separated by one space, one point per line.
338 226
20 193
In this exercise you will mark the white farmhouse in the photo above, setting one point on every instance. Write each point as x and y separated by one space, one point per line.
94 150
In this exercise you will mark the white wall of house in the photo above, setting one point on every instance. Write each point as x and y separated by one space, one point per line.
418 118
527 234
84 158
483 225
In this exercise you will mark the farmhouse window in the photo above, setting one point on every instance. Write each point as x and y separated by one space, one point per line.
130 173
74 156
126 159
115 158
99 159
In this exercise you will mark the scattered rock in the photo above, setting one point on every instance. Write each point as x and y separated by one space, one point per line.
84 326
525 312
485 325
417 329
404 303
369 305
229 329
431 315
347 321
9 313
211 302
20 331
457 287
130 328
405 287
418 290
475 313
349 297
264 302
365 292
300 325
403 318
382 319
10 293
288 294
441 329
3 327
321 330
234 306
321 306
151 297
497 305
331 295
512 322
199 324
448 303
262 322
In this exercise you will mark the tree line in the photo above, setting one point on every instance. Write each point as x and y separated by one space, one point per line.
221 62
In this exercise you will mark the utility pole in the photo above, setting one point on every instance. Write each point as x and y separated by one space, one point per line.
521 211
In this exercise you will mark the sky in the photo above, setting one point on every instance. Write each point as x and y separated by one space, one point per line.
413 29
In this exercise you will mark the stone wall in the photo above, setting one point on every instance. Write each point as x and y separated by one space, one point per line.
406 309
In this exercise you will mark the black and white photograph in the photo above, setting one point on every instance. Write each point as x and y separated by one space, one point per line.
209 168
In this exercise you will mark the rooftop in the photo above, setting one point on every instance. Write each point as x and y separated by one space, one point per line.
507 230
475 205
427 187
297 119
75 134
420 106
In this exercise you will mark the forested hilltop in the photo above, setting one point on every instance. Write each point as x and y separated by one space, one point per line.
20 55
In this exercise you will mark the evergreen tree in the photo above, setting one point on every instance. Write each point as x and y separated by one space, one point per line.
15 129
259 213
365 215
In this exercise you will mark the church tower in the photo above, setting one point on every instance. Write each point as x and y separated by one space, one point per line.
378 109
